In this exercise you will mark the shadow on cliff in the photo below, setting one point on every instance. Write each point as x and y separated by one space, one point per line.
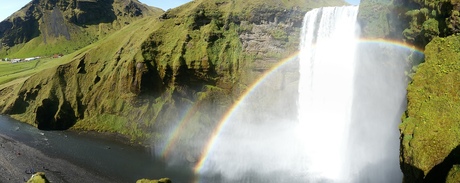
437 174
54 116
93 14
440 172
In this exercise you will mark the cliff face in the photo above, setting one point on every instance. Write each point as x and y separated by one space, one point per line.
425 20
141 78
64 26
379 19
429 130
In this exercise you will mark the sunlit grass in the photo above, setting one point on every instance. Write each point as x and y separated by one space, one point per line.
430 128
202 38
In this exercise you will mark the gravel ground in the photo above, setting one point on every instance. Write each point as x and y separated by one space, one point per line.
18 162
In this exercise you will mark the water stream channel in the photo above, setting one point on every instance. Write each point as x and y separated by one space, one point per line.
97 153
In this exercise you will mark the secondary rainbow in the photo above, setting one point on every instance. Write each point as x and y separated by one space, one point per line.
174 135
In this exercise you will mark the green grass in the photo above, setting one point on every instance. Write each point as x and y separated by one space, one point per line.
46 43
8 68
10 72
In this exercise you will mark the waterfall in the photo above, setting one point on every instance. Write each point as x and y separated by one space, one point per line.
326 83
351 97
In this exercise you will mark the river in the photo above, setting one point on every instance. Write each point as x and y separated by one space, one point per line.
104 156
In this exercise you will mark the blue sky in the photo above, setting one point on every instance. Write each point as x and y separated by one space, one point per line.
353 2
7 7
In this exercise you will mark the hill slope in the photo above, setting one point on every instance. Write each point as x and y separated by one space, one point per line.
44 27
141 78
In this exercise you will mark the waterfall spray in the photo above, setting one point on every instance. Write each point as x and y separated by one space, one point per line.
351 97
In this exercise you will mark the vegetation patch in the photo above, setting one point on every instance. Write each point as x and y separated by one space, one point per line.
141 79
430 130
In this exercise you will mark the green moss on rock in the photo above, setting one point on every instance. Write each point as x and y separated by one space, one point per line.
430 130
424 20
38 177
163 180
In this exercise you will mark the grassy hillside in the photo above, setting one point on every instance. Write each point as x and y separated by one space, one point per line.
430 127
99 53
138 80
44 28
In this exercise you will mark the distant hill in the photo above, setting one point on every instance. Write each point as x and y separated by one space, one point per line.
46 27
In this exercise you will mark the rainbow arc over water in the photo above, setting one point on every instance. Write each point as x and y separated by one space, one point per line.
225 118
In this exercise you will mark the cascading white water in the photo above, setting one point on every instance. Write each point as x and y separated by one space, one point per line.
327 62
351 97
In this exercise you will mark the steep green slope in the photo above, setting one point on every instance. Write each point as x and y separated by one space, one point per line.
430 127
61 90
141 78
44 27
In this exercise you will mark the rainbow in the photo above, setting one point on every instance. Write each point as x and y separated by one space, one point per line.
225 119
396 43
174 135
228 114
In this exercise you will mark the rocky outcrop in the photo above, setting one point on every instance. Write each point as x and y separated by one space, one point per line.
425 20
26 28
429 130
378 19
269 39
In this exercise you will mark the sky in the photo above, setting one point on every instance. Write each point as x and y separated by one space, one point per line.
8 7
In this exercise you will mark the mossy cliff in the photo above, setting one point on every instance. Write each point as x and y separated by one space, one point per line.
430 132
47 27
430 126
427 19
138 80
379 19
